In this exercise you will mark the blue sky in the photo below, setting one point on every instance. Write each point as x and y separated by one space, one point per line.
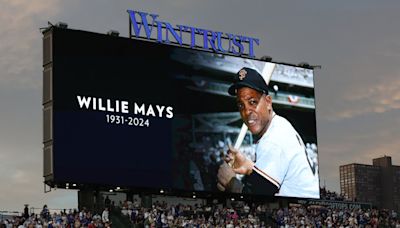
357 90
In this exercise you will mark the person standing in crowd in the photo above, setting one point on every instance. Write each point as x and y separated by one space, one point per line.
26 211
105 215
107 202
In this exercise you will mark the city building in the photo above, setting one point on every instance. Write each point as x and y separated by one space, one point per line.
378 183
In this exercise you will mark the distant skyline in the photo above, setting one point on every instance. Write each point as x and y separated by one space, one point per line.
357 91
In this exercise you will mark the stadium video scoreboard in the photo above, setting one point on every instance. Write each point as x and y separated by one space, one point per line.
139 114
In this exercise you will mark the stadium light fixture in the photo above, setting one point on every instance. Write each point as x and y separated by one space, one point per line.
266 58
304 65
62 25
161 191
73 185
113 33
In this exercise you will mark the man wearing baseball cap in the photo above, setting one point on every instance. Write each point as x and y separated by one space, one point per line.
281 167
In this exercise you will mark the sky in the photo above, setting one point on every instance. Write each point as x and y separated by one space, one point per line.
357 43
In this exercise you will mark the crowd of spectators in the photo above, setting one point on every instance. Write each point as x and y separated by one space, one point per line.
321 217
63 219
163 215
239 214
244 215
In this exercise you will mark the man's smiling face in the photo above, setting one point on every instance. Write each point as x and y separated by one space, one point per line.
255 109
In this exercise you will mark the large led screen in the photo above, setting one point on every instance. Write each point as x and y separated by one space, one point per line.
134 113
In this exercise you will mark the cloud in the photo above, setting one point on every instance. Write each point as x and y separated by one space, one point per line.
377 98
20 177
357 139
20 60
367 84
23 182
20 83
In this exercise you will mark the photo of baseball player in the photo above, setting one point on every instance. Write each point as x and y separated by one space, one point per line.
281 167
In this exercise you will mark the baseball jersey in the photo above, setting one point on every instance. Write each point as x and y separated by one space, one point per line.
281 158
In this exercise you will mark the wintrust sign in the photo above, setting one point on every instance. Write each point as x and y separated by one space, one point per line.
148 26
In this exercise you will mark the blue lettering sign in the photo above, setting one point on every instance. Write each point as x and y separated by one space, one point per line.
208 39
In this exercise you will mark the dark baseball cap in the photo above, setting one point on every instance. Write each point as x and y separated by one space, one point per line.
247 77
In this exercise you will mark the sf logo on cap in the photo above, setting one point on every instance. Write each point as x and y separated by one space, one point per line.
242 74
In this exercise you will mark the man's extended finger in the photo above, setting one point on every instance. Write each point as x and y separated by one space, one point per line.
224 165
240 170
220 174
232 150
229 157
220 187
